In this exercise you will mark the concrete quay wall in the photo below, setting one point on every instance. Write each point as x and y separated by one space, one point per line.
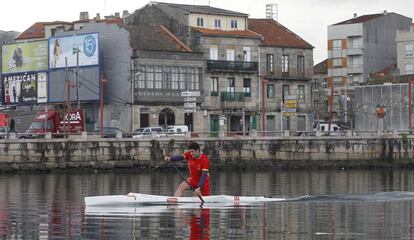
290 152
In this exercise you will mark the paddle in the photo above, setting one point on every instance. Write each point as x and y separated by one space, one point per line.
175 167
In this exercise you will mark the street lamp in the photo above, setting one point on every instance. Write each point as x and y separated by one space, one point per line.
77 51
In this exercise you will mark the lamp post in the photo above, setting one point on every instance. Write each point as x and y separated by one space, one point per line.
410 82
76 51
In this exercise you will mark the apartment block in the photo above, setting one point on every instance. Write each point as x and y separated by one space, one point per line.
405 51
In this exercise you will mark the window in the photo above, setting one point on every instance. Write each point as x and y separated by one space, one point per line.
198 77
285 64
286 91
192 78
167 77
337 81
200 22
233 23
182 77
158 77
408 49
337 62
246 54
231 85
213 53
409 68
269 64
150 76
301 66
301 92
214 86
230 54
217 23
337 44
174 78
141 77
270 90
247 87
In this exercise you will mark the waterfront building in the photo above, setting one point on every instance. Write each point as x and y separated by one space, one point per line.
358 47
405 51
286 70
229 89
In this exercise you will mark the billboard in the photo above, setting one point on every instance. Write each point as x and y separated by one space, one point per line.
24 57
88 85
23 88
66 47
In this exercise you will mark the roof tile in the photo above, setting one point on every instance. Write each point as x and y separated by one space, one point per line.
235 33
276 35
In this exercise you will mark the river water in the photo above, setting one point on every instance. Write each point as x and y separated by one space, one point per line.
324 204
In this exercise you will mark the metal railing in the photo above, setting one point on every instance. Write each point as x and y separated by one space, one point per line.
231 66
232 96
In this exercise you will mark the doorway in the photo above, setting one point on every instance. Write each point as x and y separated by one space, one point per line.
166 118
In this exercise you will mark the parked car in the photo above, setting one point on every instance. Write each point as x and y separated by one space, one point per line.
148 131
177 130
334 130
111 132
4 131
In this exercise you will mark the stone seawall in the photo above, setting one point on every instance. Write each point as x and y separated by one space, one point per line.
294 152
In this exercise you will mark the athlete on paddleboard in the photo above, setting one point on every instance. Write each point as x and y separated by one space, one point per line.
198 166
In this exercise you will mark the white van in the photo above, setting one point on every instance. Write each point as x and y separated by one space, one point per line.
177 130
334 131
148 131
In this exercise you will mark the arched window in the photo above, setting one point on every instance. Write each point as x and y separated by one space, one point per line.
166 118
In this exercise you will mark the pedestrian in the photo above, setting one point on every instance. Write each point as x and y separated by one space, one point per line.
198 166
11 125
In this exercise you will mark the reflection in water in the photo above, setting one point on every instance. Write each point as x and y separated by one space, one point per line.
333 205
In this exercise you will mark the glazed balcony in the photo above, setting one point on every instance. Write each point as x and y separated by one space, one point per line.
231 66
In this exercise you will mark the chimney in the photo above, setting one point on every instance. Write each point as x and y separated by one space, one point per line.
84 16
125 13
385 12
98 17
355 15
117 14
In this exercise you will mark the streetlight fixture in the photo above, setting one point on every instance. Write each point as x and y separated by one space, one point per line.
77 51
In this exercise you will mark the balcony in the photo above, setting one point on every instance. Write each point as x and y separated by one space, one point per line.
355 51
231 66
355 69
232 99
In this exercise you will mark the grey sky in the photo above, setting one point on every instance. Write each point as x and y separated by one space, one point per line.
307 18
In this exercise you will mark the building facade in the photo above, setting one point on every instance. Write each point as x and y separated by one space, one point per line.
286 70
405 51
229 82
358 47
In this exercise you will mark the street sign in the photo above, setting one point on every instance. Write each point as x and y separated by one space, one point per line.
190 94
189 105
190 99
189 110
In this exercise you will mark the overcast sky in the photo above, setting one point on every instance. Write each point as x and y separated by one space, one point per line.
307 18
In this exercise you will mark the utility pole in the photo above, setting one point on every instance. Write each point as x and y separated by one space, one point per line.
77 77
410 82
330 108
68 101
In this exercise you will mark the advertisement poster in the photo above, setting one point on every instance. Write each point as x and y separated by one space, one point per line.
67 47
41 87
19 88
24 57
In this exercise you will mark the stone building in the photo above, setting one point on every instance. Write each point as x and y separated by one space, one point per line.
163 68
286 69
229 90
